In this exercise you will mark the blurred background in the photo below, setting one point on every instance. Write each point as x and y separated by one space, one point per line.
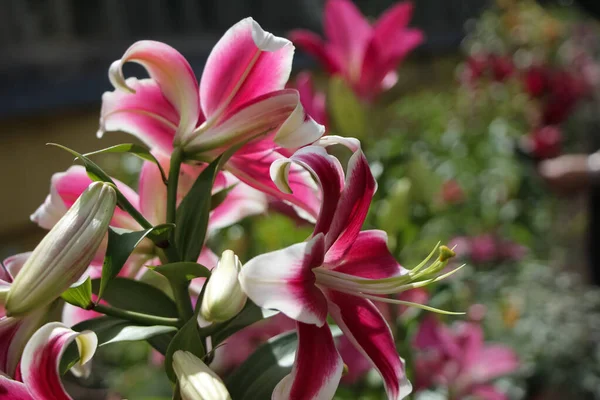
483 144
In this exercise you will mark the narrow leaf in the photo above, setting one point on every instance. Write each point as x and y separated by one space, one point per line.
136 150
182 271
137 296
121 244
80 294
250 314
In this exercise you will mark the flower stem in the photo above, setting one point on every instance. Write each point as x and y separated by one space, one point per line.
131 210
176 159
182 299
140 318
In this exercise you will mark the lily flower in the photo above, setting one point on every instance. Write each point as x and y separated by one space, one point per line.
338 271
65 253
313 101
459 360
240 98
366 56
39 377
151 200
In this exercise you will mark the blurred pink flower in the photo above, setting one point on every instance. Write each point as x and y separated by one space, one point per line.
313 101
483 248
460 360
452 192
365 55
543 143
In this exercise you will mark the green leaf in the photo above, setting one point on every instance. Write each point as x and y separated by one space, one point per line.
80 294
137 296
188 338
121 244
220 197
94 171
192 214
182 271
346 110
111 330
161 343
136 150
250 314
261 372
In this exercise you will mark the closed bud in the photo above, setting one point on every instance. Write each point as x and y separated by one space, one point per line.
65 252
196 380
223 298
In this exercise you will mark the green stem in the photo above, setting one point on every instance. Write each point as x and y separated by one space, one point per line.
131 210
140 318
176 159
183 301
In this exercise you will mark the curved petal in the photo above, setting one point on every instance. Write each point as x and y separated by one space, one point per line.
253 169
246 63
172 73
352 208
365 327
325 169
313 102
144 113
73 315
65 189
348 31
153 191
41 358
280 111
12 266
283 280
393 19
313 45
433 335
369 257
13 390
241 201
317 368
14 334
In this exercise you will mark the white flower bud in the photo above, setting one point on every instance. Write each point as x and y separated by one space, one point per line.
196 380
223 298
65 252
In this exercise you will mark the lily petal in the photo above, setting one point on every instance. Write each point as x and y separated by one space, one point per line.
348 31
328 172
153 191
246 63
313 45
65 189
369 257
352 207
291 289
487 392
241 201
494 361
317 368
41 358
13 390
253 169
145 113
365 327
279 110
171 71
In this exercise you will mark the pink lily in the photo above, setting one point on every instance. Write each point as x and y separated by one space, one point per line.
337 272
460 360
39 377
240 97
365 55
314 102
151 201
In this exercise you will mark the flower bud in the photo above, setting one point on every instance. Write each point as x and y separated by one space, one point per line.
196 380
224 297
64 253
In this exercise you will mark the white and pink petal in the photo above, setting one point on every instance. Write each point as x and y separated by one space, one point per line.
317 368
283 280
362 324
